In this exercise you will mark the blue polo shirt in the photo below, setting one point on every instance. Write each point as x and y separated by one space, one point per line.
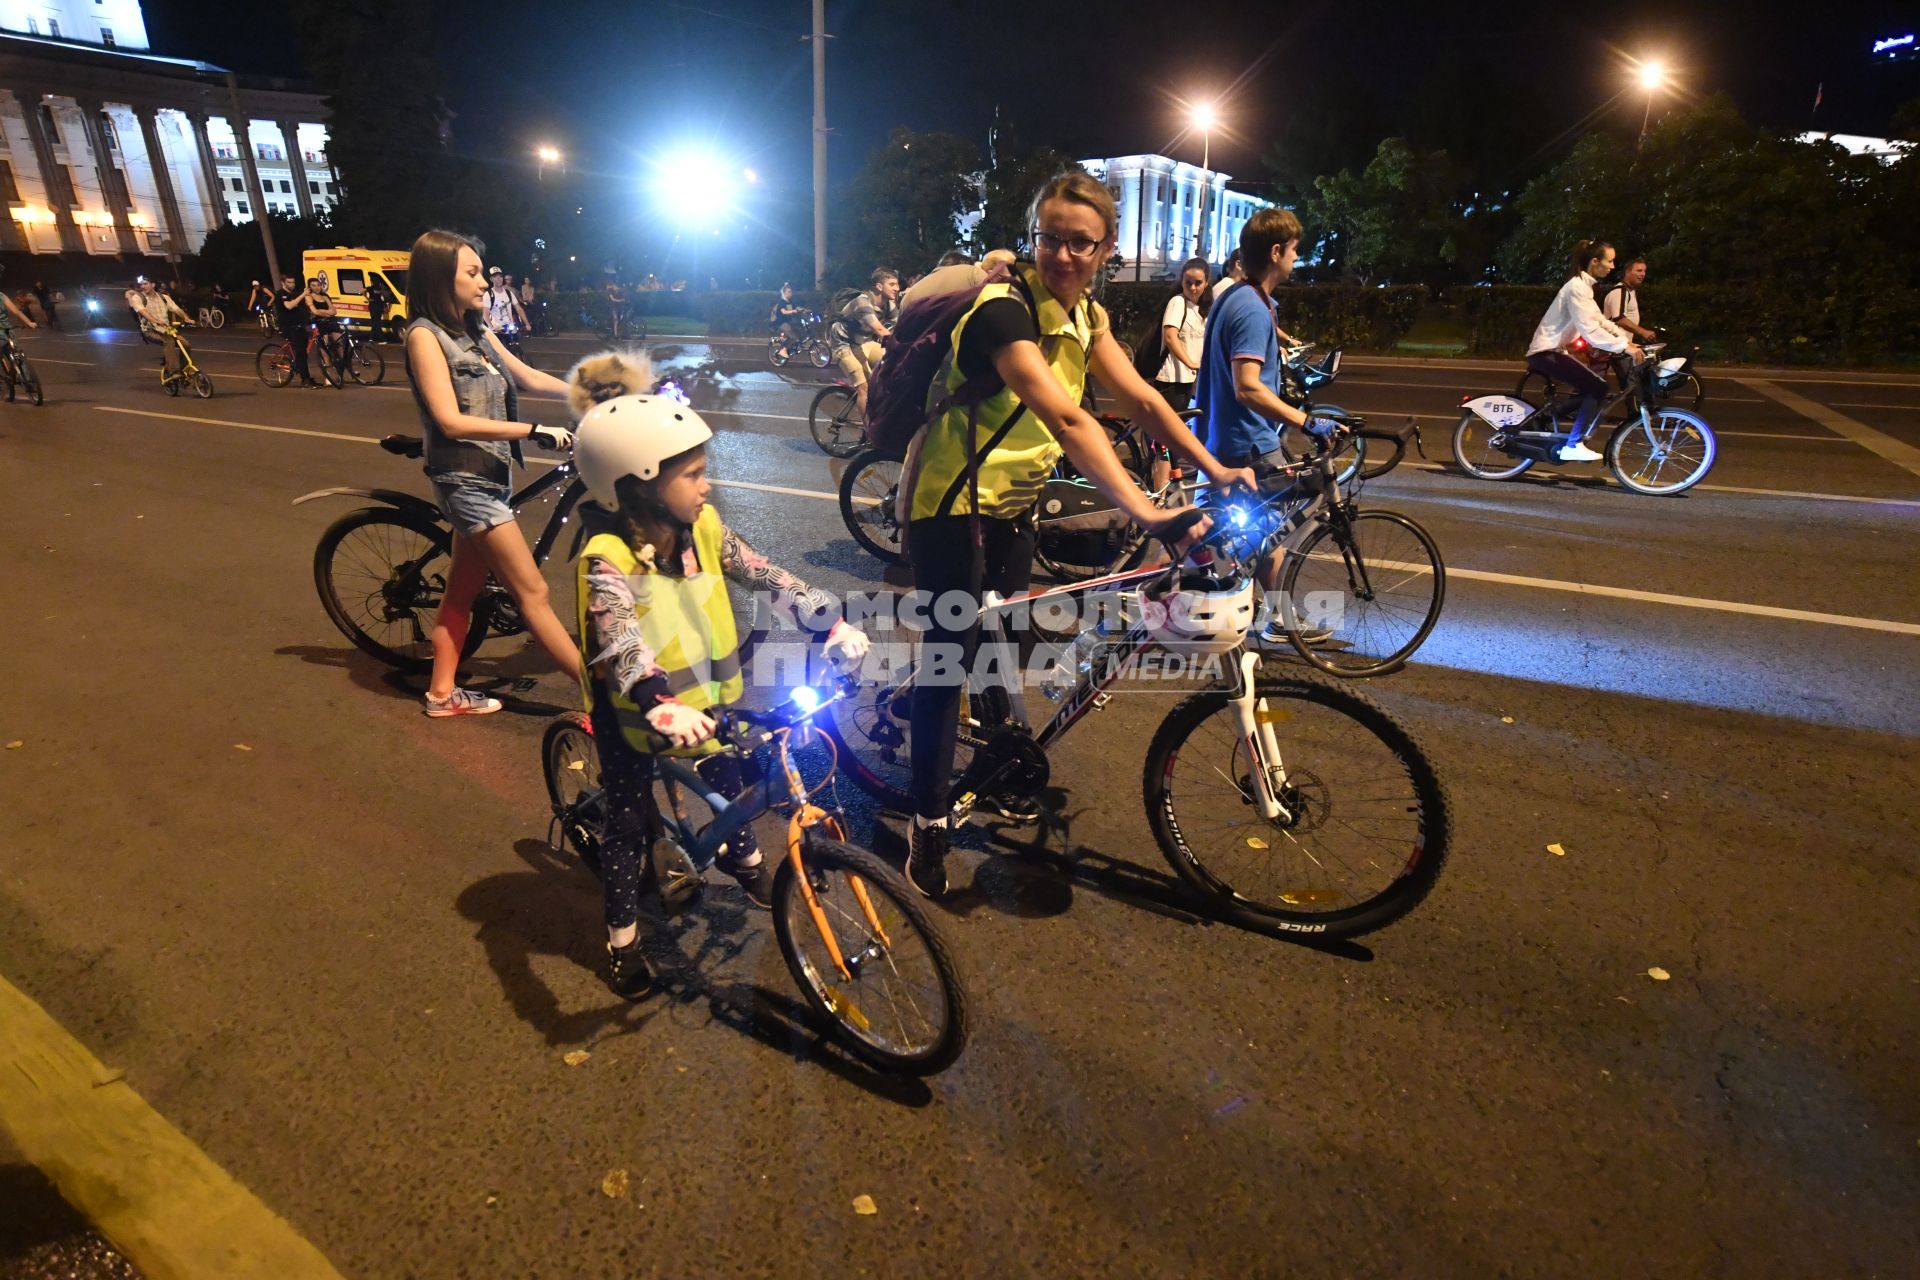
1240 327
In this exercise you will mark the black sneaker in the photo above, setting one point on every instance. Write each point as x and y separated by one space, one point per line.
628 975
927 858
755 881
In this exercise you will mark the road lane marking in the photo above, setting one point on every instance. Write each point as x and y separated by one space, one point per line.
159 1198
1443 469
1898 452
1850 404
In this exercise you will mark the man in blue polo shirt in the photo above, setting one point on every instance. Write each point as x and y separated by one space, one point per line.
1239 392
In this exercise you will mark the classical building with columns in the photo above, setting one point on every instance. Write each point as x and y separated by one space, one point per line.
1160 213
108 149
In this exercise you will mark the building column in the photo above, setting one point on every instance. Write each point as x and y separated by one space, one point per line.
162 181
290 138
52 176
209 167
112 189
243 137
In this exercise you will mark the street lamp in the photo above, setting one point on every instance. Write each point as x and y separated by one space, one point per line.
547 156
1204 119
1652 77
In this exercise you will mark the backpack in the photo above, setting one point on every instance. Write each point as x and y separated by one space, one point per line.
900 391
1152 351
837 306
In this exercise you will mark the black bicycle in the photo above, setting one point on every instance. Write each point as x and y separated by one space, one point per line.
381 570
802 339
866 955
17 371
1288 802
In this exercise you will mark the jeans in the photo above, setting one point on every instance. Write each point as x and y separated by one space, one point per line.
945 560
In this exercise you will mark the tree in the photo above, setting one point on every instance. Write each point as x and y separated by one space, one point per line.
233 253
1906 122
903 207
1014 177
1584 197
1399 220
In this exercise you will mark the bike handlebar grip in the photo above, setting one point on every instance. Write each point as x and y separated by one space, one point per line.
1170 530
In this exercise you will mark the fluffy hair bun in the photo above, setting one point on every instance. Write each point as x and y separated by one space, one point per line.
607 374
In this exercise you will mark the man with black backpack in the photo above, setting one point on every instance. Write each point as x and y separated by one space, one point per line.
857 330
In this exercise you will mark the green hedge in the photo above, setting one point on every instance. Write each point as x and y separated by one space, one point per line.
725 312
1748 323
1341 315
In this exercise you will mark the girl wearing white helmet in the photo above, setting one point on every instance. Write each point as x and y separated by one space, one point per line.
659 647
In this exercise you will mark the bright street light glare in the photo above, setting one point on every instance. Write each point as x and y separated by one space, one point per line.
549 155
1652 75
750 175
1204 117
695 186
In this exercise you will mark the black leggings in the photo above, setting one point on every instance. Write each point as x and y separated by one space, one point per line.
946 561
633 821
1579 380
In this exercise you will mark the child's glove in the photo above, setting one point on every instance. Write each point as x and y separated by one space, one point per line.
680 724
847 646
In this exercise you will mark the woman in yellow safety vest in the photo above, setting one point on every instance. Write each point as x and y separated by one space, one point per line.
968 534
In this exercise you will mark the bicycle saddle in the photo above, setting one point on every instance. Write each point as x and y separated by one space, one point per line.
405 446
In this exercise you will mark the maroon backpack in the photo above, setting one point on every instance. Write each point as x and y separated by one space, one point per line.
915 352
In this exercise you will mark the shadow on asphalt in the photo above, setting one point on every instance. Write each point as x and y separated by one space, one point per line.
41 1235
553 909
372 676
1040 876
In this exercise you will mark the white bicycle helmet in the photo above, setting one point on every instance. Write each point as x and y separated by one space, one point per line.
1205 616
632 436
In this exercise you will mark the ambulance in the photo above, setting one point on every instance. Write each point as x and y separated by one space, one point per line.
348 273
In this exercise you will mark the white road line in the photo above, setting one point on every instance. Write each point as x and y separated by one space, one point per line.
1431 386
1482 575
1846 404
51 360
1718 488
1898 452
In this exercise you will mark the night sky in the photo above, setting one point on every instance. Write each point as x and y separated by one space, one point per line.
1506 87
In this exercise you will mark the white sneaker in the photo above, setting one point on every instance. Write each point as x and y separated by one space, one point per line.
1274 634
461 702
1576 453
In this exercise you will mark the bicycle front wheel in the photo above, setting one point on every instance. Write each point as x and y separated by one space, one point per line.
321 359
903 1008
28 379
1374 581
380 573
1670 454
274 363
368 367
216 319
202 385
820 354
837 424
1364 820
868 489
571 761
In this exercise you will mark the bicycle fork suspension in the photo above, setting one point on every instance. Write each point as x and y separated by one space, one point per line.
1267 773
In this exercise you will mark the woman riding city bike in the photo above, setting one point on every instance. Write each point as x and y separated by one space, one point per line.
1575 314
971 528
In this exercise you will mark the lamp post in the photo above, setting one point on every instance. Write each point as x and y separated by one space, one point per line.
1203 119
547 156
1652 76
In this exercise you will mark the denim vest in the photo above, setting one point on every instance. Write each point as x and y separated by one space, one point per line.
482 389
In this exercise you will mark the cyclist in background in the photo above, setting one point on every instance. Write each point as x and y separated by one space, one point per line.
858 331
618 305
293 313
1621 303
8 308
785 317
158 313
326 322
1575 315
259 298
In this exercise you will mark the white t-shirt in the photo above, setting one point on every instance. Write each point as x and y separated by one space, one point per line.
1622 301
1186 320
1221 285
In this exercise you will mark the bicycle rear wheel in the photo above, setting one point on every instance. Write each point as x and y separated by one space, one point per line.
380 573
274 363
1378 584
1474 450
29 380
368 367
571 761
1365 823
904 1009
837 424
778 352
1670 456
868 489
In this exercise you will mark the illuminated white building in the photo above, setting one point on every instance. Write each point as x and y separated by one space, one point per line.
1160 213
108 149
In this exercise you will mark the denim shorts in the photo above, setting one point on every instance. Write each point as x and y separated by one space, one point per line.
472 503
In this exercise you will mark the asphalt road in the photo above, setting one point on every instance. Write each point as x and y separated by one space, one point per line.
325 939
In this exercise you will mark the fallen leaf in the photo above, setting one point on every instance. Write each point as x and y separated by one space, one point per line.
1506 719
864 1206
16 744
1658 974
1557 850
614 1185
139 517
681 1070
575 1058
493 1199
241 746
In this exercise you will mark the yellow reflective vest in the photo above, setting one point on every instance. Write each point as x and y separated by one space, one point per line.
686 622
1012 475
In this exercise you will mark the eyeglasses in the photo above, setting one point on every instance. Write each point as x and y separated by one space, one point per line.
1077 246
